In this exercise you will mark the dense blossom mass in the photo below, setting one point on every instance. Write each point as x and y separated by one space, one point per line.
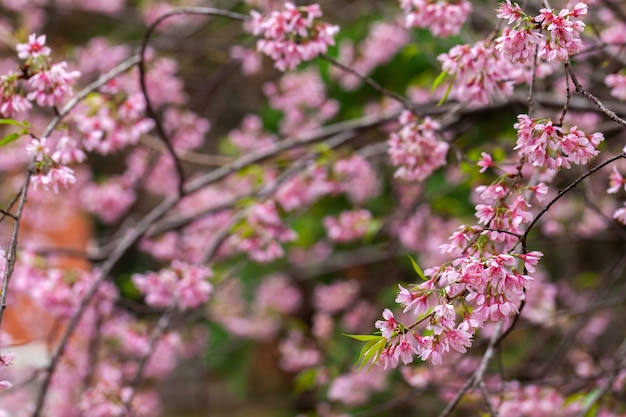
415 149
556 34
443 17
161 203
293 35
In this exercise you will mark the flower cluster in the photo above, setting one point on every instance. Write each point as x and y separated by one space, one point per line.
544 144
617 83
47 83
49 172
303 100
555 34
490 288
480 72
292 35
617 182
415 149
442 17
183 285
6 360
348 226
260 237
484 282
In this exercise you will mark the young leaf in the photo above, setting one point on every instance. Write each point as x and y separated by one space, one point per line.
445 96
9 138
439 80
417 269
363 337
10 122
372 351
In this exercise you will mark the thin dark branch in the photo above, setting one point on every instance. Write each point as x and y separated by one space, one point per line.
565 190
11 255
376 86
612 115
132 235
102 80
477 377
150 110
568 97
158 331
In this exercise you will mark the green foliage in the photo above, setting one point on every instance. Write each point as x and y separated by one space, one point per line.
417 269
372 350
11 137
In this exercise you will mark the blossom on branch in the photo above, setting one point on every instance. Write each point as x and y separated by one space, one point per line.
547 145
442 17
555 34
292 35
415 149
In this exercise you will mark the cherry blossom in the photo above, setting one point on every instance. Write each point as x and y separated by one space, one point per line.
36 47
442 17
292 35
415 148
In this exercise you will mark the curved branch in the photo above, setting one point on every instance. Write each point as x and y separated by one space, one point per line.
160 129
567 189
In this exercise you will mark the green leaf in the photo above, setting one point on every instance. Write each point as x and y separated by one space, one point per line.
10 138
305 380
11 122
363 337
371 351
445 96
439 80
590 402
417 269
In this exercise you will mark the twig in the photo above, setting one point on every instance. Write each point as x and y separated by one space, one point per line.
266 192
490 405
102 80
11 254
402 100
478 374
133 234
612 115
160 129
159 330
568 97
565 190
533 80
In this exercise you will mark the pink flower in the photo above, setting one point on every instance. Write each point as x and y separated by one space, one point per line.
416 300
387 326
458 339
620 214
617 83
616 181
348 226
334 297
292 35
549 146
183 285
480 72
442 17
56 176
485 162
405 350
34 48
509 11
261 238
415 149
109 200
51 86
